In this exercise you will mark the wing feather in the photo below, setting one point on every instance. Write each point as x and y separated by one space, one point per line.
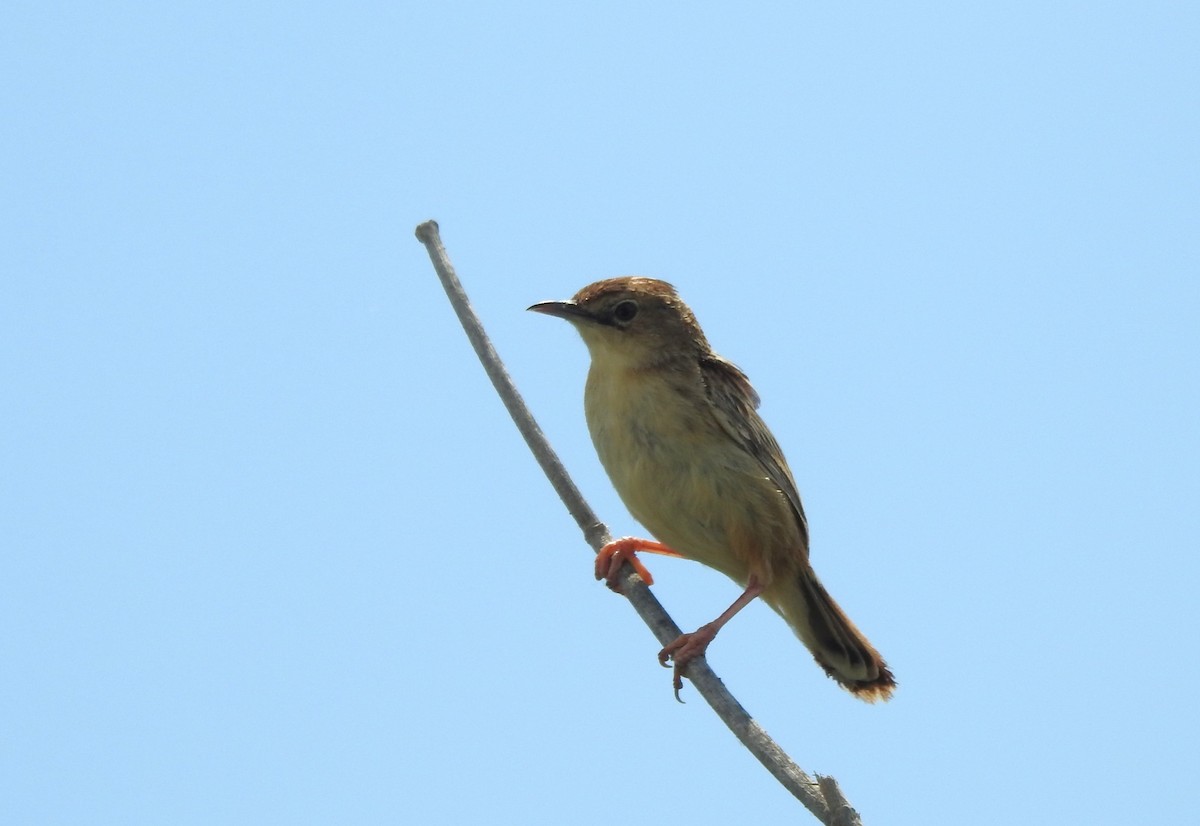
735 404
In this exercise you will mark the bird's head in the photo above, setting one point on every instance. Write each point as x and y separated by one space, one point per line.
632 322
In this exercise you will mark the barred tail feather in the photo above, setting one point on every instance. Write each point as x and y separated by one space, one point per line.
836 644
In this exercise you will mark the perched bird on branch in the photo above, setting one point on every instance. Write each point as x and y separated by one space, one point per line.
677 430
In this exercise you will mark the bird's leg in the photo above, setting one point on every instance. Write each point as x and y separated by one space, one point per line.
690 646
610 557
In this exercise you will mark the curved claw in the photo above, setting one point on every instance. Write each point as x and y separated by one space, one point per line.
687 647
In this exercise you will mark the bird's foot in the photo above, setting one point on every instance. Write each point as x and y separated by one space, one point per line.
684 649
610 557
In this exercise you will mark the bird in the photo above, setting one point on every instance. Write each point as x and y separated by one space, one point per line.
677 430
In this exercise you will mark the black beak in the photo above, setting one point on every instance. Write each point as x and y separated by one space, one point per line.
562 309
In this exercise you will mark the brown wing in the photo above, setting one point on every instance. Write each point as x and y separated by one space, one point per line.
736 403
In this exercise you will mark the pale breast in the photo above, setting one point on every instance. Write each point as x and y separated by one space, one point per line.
682 476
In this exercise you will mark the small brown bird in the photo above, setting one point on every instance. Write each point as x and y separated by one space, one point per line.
677 430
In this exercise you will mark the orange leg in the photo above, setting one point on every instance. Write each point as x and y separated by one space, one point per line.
610 557
690 646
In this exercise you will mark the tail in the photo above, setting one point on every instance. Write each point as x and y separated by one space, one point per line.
837 646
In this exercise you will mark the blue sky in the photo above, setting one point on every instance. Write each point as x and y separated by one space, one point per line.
273 553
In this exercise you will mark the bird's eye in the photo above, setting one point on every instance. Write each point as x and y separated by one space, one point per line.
625 311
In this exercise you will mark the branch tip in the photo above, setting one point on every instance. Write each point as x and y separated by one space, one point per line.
427 231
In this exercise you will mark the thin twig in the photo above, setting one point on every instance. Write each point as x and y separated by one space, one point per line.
808 791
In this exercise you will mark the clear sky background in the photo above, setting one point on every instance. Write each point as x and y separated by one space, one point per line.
272 552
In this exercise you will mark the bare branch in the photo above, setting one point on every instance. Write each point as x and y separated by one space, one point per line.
822 796
841 813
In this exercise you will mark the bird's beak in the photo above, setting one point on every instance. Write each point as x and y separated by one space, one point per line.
561 309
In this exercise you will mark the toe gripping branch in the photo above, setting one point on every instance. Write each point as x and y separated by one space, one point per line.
610 557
